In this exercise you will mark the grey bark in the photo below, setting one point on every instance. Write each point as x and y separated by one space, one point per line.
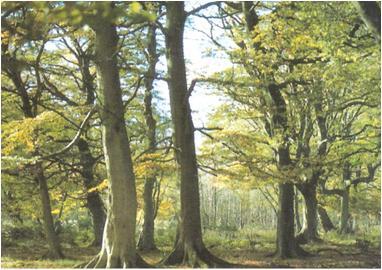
119 245
327 224
29 107
55 251
344 223
286 245
146 240
189 248
297 211
93 199
371 14
309 230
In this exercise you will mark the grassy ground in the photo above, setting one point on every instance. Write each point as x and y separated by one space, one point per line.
333 252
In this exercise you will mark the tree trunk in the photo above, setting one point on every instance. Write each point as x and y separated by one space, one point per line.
50 234
286 245
370 12
146 240
93 200
119 245
215 200
189 248
325 219
297 211
309 231
345 216
29 107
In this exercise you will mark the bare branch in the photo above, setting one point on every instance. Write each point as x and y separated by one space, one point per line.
75 139
196 10
138 85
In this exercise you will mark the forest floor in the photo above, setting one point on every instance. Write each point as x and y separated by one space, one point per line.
326 254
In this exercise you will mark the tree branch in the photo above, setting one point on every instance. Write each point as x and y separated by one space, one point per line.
75 139
196 10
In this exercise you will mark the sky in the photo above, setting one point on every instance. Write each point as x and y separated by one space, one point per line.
198 64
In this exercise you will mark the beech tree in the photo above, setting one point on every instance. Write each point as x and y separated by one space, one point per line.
189 247
146 241
119 245
14 67
92 145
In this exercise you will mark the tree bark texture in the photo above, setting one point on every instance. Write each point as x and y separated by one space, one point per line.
189 248
29 107
93 199
309 231
55 251
345 215
146 240
308 189
119 245
287 245
371 14
327 224
297 211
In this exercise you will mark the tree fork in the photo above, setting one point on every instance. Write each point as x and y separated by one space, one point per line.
309 231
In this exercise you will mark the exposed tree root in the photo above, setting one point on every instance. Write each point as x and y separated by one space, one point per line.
304 238
194 257
329 249
100 261
141 263
297 252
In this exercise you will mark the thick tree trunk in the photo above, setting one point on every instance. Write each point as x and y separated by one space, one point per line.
286 245
309 230
52 239
93 200
189 248
119 245
146 240
96 208
325 219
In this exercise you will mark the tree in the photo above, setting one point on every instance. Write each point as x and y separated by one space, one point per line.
286 243
371 14
83 53
13 70
146 241
119 245
189 247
